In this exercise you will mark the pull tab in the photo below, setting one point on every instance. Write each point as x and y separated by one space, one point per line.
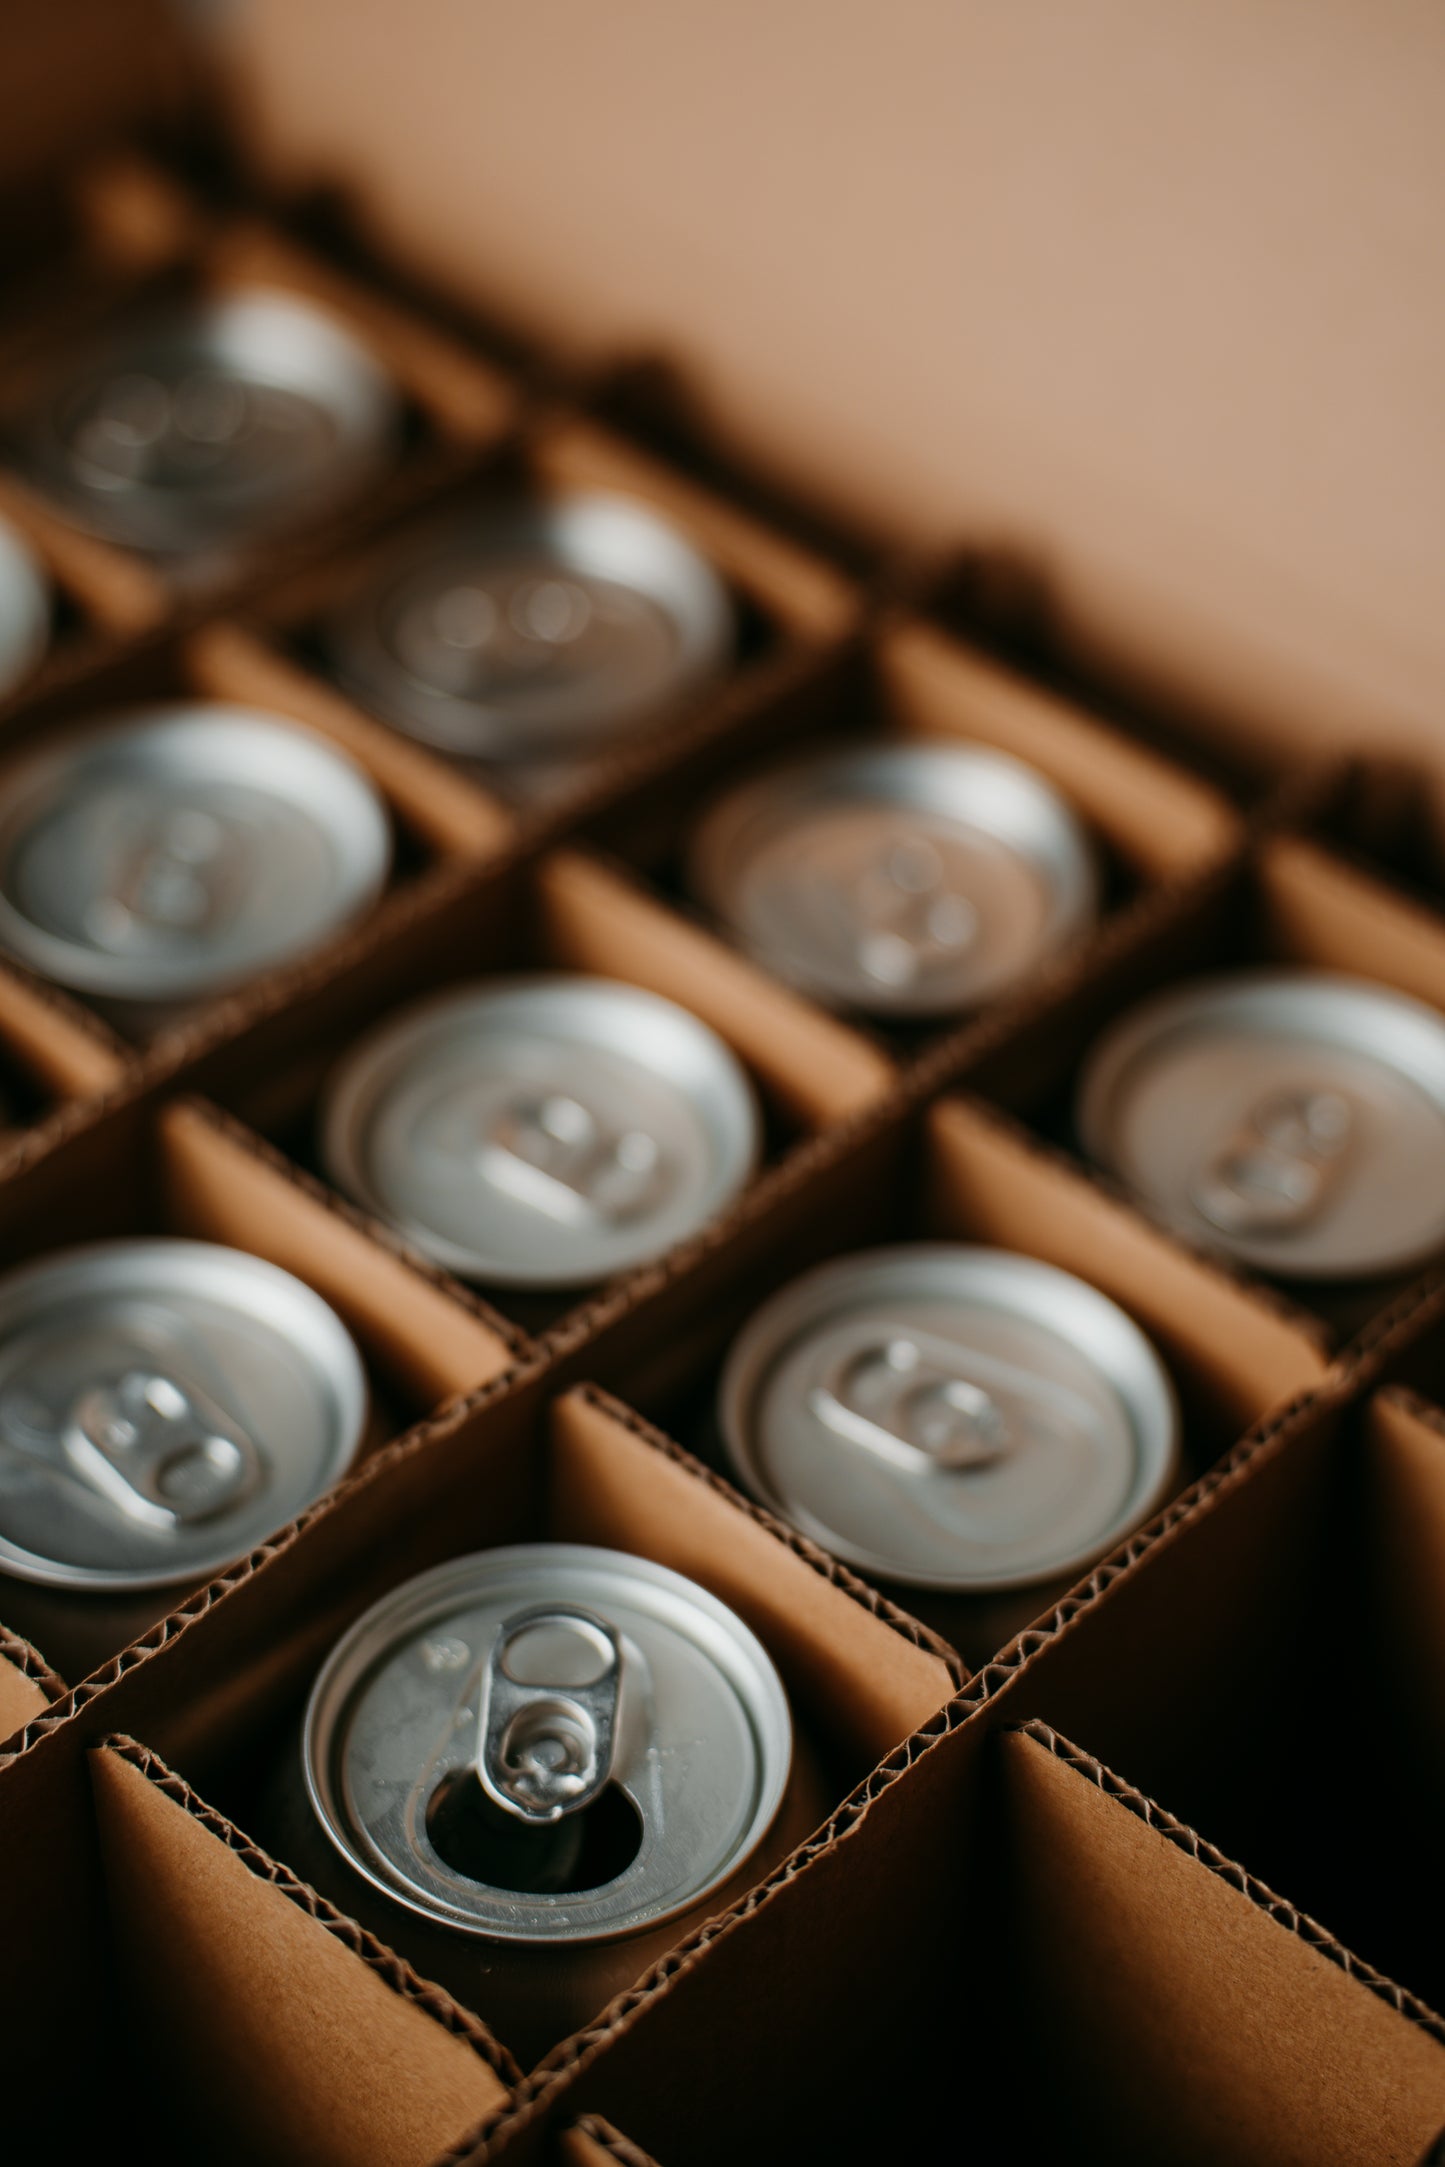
159 1450
553 1154
1280 1164
472 632
906 918
175 880
905 1400
550 1712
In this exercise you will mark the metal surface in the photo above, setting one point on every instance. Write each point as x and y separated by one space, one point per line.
701 1749
171 852
900 879
950 1417
213 423
164 1406
1294 1119
24 609
533 627
542 1131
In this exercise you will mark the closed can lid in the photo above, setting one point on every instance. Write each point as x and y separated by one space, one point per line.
535 626
951 1417
900 879
164 1406
1295 1119
550 1743
171 852
542 1132
24 609
213 423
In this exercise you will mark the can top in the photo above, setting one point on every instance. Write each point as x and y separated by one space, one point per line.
164 1406
950 1417
544 1131
1295 1119
24 608
898 878
603 1658
169 852
529 626
213 422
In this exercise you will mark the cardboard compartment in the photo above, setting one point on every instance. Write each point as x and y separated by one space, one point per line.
571 913
1290 904
55 1057
222 1689
188 1170
786 600
28 1685
1004 1904
956 1172
437 819
1152 824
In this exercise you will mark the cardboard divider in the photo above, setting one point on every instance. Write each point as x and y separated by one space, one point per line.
117 593
190 1171
593 2142
254 2022
52 1050
28 1685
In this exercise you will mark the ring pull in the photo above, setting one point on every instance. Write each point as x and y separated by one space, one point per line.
178 878
1279 1166
903 1401
553 1154
905 918
159 1450
549 1716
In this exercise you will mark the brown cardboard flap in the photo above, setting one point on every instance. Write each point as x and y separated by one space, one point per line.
1200 2019
63 1045
443 804
806 595
280 2040
137 214
613 1482
1405 1447
121 592
595 2143
597 920
1156 815
988 1182
218 1189
1325 913
23 1695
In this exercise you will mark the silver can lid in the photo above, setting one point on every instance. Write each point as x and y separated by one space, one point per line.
951 1417
533 626
485 1718
900 879
213 423
164 1406
24 608
1294 1119
171 852
542 1132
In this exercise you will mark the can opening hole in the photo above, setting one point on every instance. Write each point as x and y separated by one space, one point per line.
475 1837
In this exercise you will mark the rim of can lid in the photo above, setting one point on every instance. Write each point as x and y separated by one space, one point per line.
267 337
178 875
561 696
926 1396
518 1171
1311 1175
25 608
976 870
213 1369
678 1640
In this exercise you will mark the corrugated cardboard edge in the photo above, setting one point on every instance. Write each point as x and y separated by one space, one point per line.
31 1663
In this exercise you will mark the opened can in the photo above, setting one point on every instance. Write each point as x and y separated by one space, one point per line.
211 424
534 628
164 856
164 1407
24 609
1294 1119
904 880
542 1132
533 1769
952 1418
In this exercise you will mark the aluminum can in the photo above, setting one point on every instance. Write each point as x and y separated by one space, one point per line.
1293 1119
532 1770
952 1418
164 1407
162 857
534 628
542 1132
24 609
903 880
212 424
